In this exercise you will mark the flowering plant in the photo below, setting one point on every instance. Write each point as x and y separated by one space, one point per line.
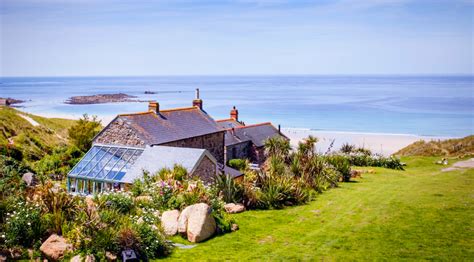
23 226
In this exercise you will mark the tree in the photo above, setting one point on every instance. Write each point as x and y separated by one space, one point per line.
82 133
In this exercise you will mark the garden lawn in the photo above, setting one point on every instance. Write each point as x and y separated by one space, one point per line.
420 213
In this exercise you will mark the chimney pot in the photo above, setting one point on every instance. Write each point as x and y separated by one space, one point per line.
197 102
234 114
154 107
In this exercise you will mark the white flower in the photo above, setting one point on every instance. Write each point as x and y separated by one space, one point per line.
3 236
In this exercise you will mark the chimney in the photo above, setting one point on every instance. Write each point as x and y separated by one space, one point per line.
154 107
279 129
234 114
197 102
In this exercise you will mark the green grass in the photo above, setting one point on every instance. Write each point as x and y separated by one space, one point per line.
417 214
32 140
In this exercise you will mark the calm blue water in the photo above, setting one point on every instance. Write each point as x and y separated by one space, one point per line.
433 106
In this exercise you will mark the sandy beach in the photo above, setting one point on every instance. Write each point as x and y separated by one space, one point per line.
385 144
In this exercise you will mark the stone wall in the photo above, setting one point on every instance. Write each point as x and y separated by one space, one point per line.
212 142
241 151
119 133
206 170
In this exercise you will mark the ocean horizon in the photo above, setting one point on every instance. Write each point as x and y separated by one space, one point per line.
426 105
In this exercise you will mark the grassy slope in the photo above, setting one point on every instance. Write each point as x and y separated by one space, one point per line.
419 213
450 147
51 132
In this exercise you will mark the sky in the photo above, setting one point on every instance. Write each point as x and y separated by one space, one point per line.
242 37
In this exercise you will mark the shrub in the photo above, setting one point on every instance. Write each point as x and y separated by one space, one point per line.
23 225
120 201
347 148
230 191
341 165
58 206
82 133
375 161
153 243
239 164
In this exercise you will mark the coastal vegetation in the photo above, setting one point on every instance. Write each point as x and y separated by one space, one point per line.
388 212
459 147
46 146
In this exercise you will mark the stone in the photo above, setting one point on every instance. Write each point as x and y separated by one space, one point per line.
110 257
356 173
169 222
200 223
3 258
234 227
55 247
232 208
29 179
183 220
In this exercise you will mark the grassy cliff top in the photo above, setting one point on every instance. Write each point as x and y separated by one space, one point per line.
449 148
32 135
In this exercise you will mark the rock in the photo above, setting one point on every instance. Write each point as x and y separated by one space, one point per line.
234 208
89 258
356 173
169 222
198 221
3 258
55 247
234 227
29 179
183 220
76 258
143 198
110 257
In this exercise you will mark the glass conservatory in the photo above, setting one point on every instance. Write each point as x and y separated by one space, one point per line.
102 169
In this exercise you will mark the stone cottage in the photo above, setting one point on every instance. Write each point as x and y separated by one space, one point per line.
246 141
189 127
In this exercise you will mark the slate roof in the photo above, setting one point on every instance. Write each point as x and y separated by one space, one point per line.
234 173
228 123
231 139
256 133
171 125
157 157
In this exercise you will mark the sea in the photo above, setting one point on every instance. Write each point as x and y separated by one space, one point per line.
416 105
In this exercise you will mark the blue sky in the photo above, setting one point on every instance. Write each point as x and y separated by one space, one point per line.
108 38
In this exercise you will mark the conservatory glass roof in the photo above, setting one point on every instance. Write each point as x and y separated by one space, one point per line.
106 163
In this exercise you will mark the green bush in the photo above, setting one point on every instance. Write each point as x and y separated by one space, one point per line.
23 225
120 201
375 161
342 165
230 191
239 164
152 241
82 133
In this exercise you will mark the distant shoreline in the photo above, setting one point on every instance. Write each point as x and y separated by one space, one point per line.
381 143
